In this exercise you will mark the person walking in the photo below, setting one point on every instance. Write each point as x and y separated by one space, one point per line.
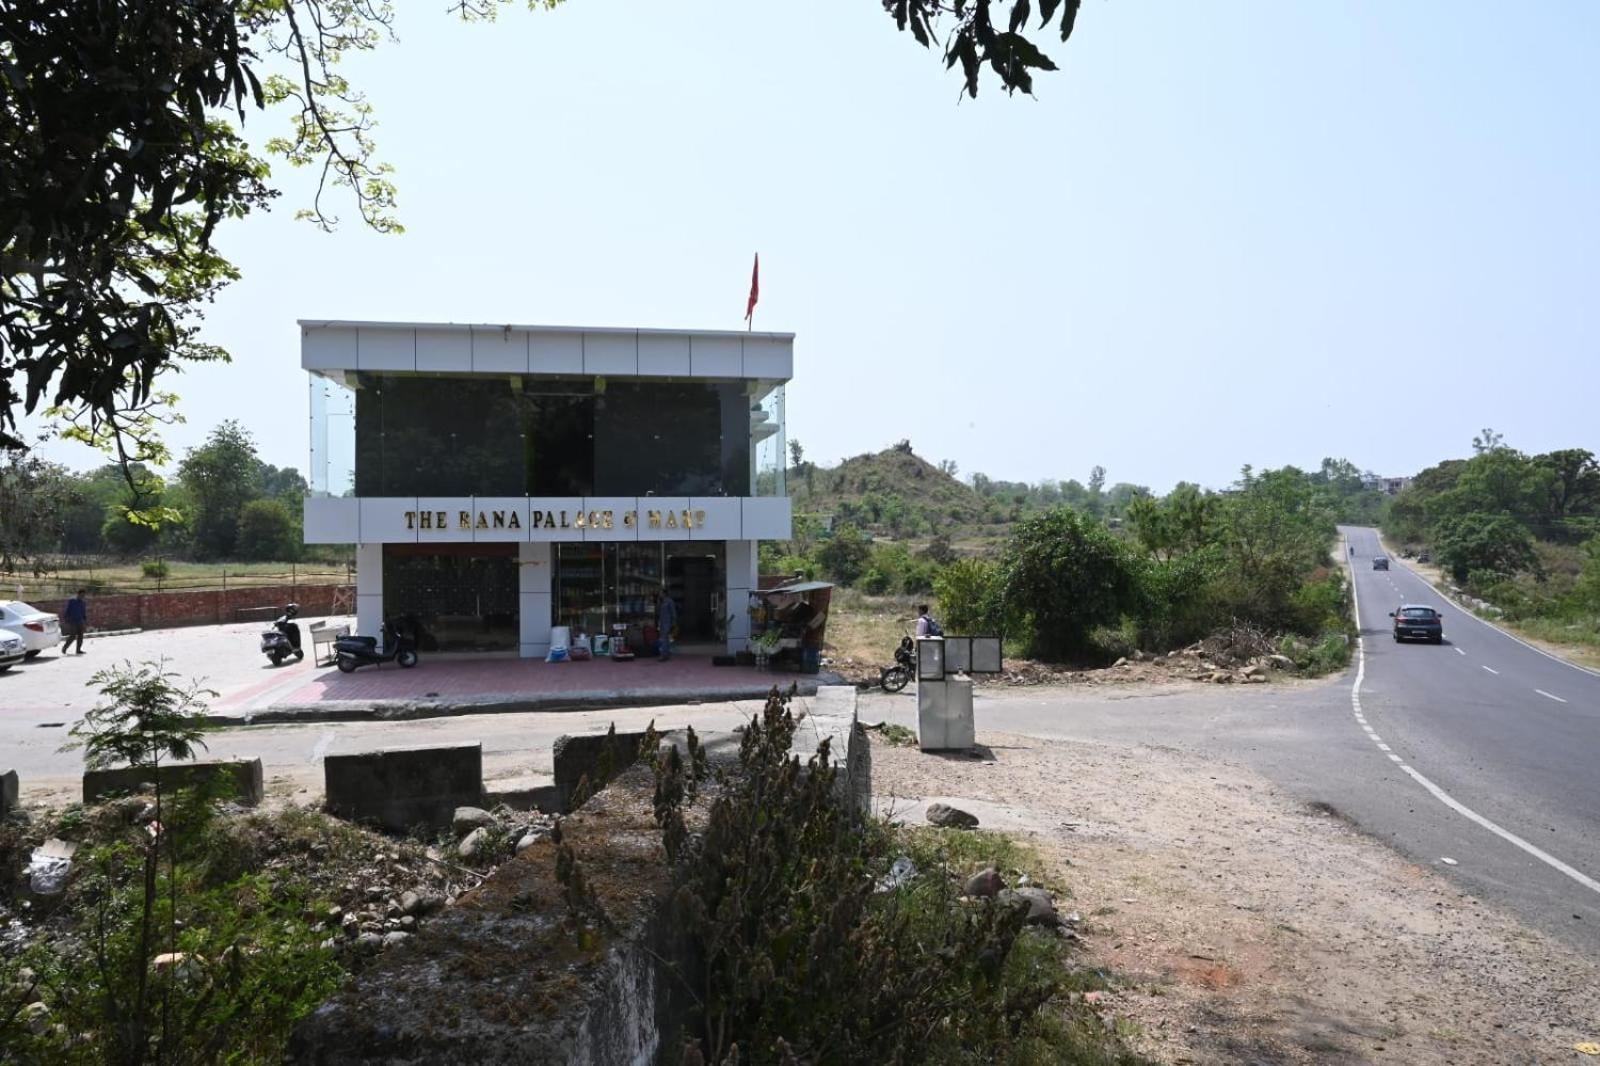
666 622
926 626
75 619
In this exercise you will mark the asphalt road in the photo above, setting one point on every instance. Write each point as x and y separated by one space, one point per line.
1509 735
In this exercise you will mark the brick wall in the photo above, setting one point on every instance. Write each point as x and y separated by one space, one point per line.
160 610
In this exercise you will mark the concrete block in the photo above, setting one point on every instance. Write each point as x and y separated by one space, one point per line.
577 757
401 788
944 715
833 718
245 774
8 792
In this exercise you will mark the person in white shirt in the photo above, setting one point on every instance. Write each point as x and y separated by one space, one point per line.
926 626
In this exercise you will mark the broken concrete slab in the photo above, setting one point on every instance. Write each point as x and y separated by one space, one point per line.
834 718
243 774
403 788
8 792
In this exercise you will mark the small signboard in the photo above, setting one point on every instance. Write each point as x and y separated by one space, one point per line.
986 657
930 658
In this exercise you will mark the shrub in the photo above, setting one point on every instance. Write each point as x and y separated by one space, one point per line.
968 593
1065 574
266 532
154 568
798 950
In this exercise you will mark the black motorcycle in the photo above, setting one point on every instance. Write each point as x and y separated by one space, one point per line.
283 639
354 652
896 677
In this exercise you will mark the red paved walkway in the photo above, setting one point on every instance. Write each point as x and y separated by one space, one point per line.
444 679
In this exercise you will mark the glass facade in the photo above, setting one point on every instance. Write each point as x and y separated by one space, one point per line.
400 434
461 597
599 586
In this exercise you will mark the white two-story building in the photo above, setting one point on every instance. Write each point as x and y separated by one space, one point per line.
501 480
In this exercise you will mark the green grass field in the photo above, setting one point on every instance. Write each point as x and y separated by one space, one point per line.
129 578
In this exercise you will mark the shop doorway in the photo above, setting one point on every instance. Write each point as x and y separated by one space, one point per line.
695 584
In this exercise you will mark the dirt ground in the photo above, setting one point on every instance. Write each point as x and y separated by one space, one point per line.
1238 926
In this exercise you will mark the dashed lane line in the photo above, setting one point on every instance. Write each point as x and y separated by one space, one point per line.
1440 794
1492 670
1460 652
1549 695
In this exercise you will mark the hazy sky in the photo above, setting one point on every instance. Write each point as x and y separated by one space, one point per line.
1222 233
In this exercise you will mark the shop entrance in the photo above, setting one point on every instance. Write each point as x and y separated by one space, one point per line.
598 586
463 597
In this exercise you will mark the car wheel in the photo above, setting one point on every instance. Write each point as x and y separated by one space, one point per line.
406 658
34 654
347 665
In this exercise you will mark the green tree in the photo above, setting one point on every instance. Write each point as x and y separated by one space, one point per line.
267 532
843 556
35 499
221 476
968 591
1491 543
971 38
1063 575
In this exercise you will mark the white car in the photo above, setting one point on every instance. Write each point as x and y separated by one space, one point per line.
11 650
39 631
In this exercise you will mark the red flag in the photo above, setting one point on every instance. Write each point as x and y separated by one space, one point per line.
755 288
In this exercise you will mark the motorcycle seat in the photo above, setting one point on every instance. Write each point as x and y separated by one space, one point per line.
371 642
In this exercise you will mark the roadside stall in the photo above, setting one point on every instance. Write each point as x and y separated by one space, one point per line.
788 625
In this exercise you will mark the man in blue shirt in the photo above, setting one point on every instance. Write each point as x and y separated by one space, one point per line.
76 619
666 622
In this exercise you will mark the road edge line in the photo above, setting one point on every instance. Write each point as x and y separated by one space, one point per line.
1438 793
1470 613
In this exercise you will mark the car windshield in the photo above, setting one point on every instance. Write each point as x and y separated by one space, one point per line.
20 609
1418 612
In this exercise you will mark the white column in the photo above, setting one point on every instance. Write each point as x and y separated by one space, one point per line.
369 589
742 562
535 585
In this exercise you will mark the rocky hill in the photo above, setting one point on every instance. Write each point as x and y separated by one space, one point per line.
894 493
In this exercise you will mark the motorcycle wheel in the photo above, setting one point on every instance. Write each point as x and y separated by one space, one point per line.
299 654
276 657
347 665
894 678
406 658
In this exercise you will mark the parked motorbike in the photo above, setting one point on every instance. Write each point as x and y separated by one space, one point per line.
896 677
354 652
283 639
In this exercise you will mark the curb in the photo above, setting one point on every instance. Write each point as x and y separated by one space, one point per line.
413 710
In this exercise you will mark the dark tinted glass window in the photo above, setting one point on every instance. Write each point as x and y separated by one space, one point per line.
1418 612
511 436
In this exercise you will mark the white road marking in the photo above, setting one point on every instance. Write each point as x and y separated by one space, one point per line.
1492 670
1460 652
1549 695
1444 797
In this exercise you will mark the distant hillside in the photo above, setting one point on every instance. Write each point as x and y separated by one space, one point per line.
894 493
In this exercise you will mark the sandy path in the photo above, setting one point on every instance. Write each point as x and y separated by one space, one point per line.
1246 928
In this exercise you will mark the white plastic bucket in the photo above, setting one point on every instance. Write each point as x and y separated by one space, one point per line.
560 636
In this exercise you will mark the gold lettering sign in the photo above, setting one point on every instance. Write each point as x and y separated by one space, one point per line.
541 519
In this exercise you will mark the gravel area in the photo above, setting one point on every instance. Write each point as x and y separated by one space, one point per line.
1242 927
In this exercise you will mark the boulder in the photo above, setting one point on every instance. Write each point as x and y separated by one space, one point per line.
467 819
986 882
35 1017
473 843
530 839
947 817
396 938
1041 908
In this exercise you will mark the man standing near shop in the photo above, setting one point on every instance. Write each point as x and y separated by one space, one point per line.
75 619
666 622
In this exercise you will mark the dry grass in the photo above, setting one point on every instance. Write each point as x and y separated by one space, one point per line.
864 630
127 577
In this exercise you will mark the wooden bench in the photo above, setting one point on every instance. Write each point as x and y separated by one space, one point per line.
322 633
